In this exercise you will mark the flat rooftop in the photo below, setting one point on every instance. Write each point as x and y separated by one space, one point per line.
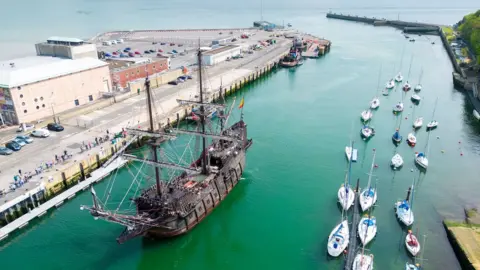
220 50
117 64
26 70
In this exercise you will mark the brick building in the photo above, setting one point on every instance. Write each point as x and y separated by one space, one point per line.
124 71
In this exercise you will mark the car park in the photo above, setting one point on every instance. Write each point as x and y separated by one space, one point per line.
41 133
12 145
5 151
25 138
55 127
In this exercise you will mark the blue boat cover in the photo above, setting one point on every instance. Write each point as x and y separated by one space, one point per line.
369 193
421 154
396 135
369 222
404 205
336 233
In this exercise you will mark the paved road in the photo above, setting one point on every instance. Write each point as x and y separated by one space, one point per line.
122 114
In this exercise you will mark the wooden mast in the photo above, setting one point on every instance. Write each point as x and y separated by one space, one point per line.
151 129
202 112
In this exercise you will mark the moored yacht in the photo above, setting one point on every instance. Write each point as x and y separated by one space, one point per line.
367 229
407 87
421 160
366 115
415 98
390 84
404 210
411 139
397 161
418 88
367 132
396 137
398 107
399 77
418 123
412 244
338 239
432 124
363 261
375 103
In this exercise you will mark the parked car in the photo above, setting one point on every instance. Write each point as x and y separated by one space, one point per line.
146 52
234 39
20 142
180 80
160 50
180 45
55 127
119 41
172 44
42 133
114 53
152 51
13 146
189 77
113 41
128 49
25 138
163 43
5 151
184 78
154 42
174 82
27 127
137 52
123 55
182 53
131 54
174 51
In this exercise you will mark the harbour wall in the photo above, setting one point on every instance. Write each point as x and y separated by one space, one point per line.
61 182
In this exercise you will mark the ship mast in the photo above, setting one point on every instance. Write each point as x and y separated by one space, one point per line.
154 145
202 112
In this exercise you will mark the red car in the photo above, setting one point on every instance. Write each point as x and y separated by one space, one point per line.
114 53
160 50
137 52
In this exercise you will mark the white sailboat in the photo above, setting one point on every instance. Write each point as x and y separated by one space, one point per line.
398 107
412 244
399 77
411 139
433 124
418 123
346 195
415 98
366 115
418 87
375 103
351 155
404 209
367 132
390 84
476 114
385 92
367 229
407 87
421 158
397 161
363 261
338 239
368 196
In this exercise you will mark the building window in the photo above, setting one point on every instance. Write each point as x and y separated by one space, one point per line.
43 105
90 97
41 98
138 71
21 96
161 65
23 103
132 73
76 102
36 99
25 111
153 66
19 88
38 107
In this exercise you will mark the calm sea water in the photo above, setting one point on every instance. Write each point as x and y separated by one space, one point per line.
280 216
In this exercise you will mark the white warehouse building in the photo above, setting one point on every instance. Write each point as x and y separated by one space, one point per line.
218 55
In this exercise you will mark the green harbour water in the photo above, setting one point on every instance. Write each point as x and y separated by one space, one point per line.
281 213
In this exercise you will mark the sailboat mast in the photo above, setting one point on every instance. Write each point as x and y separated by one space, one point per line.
379 75
371 169
349 168
154 146
202 113
410 68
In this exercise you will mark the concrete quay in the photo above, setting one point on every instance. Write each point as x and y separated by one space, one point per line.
221 80
58 200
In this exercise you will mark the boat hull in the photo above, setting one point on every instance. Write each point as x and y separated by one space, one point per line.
406 217
346 200
414 250
334 247
366 233
367 201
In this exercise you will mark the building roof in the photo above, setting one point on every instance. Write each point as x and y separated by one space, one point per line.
221 49
65 39
22 71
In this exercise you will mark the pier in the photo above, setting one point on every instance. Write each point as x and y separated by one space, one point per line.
353 242
58 200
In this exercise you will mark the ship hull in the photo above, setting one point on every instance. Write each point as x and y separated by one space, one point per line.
221 187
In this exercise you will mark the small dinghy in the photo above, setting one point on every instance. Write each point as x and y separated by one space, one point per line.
412 244
385 92
398 107
338 239
396 137
399 77
348 153
476 114
432 124
418 123
421 160
363 261
397 161
406 87
346 196
418 88
366 115
415 98
390 84
404 211
367 132
411 139
367 229
375 103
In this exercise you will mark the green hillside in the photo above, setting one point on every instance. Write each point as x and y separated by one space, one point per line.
469 29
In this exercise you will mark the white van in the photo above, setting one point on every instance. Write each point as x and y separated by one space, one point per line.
106 43
113 41
119 41
41 132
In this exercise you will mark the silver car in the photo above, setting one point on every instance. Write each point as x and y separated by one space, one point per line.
25 138
20 142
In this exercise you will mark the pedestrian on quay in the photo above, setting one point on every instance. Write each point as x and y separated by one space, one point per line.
56 158
89 145
108 132
20 171
96 140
